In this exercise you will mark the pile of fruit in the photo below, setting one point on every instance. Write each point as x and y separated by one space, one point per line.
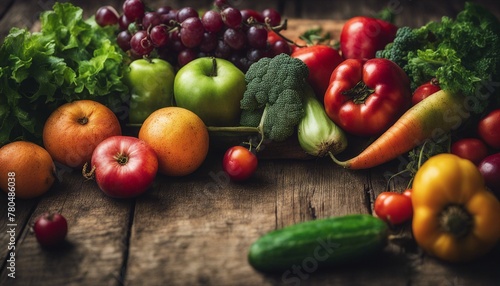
186 75
181 35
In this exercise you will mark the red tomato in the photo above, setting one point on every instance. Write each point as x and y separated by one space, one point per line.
489 129
50 229
239 163
366 98
424 91
321 61
472 149
361 37
273 37
125 166
394 208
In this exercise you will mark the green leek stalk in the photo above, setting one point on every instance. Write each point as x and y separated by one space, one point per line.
318 135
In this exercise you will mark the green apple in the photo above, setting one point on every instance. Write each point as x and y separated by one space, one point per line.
151 84
212 88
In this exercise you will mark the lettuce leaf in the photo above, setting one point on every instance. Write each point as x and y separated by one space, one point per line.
69 59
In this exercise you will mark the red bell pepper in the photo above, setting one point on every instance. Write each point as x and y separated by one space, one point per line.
365 97
361 37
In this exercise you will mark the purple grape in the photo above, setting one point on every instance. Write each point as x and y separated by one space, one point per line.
174 41
163 9
212 21
150 20
235 38
106 16
257 37
281 47
168 17
191 32
123 40
141 44
133 9
222 50
247 13
159 35
186 12
231 17
272 16
209 42
185 56
124 22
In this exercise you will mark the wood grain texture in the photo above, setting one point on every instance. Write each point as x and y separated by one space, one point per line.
96 244
197 230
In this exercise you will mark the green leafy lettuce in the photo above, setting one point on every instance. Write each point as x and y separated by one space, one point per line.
69 59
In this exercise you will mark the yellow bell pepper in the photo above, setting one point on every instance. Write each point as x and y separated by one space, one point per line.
455 217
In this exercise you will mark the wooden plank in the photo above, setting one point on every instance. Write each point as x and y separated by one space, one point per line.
4 7
297 27
21 14
96 244
196 230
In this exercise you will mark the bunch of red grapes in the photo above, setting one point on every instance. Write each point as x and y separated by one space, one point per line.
181 35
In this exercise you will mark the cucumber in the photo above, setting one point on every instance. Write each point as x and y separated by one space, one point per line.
315 243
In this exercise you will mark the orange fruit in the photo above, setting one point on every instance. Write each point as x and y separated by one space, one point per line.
26 169
179 138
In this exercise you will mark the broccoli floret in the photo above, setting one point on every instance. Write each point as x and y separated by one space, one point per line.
273 97
406 40
403 48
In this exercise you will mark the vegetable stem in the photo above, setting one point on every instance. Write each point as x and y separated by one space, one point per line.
214 67
359 93
121 158
88 174
456 220
243 129
83 120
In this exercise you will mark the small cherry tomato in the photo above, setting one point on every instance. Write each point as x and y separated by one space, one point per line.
50 229
488 129
394 208
239 163
424 91
472 149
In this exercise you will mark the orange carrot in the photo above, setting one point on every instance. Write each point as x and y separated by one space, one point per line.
433 117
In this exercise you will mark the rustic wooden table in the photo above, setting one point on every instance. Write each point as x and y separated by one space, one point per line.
196 230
